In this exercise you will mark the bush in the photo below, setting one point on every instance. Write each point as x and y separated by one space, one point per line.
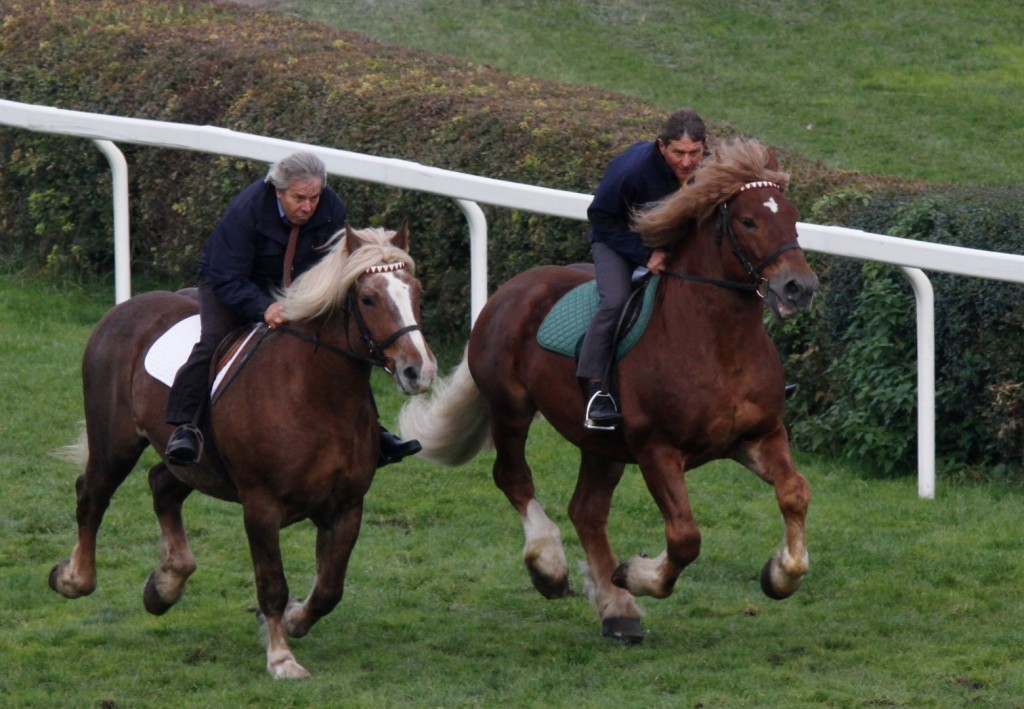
857 353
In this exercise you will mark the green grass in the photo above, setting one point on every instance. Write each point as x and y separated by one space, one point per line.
921 89
908 603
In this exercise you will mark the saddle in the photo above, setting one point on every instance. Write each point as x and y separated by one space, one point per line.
565 324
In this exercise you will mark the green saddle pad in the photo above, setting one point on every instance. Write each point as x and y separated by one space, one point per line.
563 328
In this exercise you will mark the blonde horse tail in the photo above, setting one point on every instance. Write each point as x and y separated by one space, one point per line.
452 423
77 452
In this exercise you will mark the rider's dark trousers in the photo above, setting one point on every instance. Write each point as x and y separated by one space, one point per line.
613 287
192 382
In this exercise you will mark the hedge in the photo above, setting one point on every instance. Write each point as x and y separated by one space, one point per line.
277 75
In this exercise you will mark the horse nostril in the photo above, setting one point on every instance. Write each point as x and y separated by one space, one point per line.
411 374
793 289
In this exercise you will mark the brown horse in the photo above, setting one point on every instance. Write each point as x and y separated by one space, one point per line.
703 382
295 433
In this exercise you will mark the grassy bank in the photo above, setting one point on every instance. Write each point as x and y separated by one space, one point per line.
917 89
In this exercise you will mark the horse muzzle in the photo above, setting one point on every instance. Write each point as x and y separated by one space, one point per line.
790 294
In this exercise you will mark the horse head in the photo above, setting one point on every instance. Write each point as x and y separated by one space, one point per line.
738 196
369 279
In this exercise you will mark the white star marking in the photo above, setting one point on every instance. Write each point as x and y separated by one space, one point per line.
772 205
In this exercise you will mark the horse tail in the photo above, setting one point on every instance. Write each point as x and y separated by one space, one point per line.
77 452
453 425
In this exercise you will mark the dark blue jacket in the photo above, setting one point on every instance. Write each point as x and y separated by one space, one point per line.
244 256
636 177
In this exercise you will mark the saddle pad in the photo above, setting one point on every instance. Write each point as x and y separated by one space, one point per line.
172 349
563 328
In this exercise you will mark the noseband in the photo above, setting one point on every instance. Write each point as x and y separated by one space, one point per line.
376 349
724 229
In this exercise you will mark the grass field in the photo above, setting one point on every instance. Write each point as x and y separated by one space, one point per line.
922 89
908 603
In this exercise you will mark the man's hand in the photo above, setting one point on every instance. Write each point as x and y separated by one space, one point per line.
656 263
274 315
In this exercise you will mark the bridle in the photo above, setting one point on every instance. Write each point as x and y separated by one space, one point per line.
376 357
758 284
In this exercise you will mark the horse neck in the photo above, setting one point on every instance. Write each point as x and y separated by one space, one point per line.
700 254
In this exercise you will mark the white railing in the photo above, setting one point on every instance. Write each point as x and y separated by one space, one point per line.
469 190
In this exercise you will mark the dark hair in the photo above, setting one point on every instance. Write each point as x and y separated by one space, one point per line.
684 122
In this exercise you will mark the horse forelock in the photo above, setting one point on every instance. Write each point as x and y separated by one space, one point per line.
733 165
322 288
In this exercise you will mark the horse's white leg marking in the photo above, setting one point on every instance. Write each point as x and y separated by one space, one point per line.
787 570
176 564
609 601
646 577
70 581
543 551
281 663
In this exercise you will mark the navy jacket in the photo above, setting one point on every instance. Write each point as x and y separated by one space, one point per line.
636 177
244 256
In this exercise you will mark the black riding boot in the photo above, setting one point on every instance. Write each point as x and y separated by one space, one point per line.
185 445
393 448
602 412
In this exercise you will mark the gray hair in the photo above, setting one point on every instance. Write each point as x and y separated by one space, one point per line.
300 166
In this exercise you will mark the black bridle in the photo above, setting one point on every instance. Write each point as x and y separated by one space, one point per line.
758 284
376 357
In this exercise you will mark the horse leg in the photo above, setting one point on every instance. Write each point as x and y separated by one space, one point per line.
543 553
770 458
334 544
104 472
166 584
263 529
591 502
662 468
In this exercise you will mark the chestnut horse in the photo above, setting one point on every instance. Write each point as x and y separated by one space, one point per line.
294 433
703 382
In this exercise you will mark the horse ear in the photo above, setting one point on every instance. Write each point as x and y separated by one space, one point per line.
401 238
352 240
773 160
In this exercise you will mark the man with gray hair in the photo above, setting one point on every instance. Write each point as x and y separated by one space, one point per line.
272 232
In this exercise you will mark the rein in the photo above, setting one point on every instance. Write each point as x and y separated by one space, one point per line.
724 228
376 349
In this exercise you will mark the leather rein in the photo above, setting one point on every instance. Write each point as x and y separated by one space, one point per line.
758 284
376 357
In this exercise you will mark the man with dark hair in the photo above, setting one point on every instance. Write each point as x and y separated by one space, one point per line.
272 232
644 173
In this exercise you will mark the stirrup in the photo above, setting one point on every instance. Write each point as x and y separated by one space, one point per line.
592 425
197 434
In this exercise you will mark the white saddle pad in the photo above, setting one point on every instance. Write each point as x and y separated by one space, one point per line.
172 349
168 353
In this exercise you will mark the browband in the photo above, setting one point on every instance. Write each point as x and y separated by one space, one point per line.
385 267
759 183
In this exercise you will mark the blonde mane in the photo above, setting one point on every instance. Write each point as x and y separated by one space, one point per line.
718 178
323 288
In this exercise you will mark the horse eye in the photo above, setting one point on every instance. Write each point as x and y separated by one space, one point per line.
748 223
367 301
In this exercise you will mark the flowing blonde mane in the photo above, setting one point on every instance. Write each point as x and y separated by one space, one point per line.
718 178
323 288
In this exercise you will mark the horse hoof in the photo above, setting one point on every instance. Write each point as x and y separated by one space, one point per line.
620 574
628 630
53 578
550 589
151 599
769 588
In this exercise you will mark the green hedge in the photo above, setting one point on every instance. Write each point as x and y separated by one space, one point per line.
856 355
276 75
